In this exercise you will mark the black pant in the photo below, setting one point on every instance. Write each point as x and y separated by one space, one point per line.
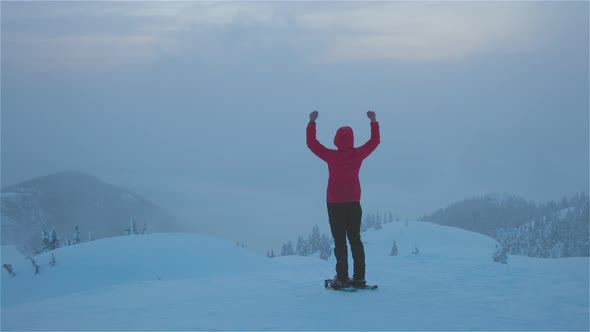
345 220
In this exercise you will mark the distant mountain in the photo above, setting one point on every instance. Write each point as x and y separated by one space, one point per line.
552 229
63 200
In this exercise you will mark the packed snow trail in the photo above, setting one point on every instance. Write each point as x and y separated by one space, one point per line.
181 281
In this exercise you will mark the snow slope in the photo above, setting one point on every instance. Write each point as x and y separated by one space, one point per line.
182 281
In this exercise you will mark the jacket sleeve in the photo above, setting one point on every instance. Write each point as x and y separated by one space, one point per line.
314 145
372 143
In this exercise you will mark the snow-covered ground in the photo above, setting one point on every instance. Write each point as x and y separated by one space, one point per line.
196 282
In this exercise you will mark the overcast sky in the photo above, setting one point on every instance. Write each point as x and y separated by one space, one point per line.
202 107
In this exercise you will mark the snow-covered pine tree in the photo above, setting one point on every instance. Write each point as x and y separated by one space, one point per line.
45 242
557 250
272 253
325 247
378 225
500 255
132 230
9 269
364 226
301 247
53 240
37 267
393 249
76 238
90 236
369 221
315 239
52 262
416 251
287 249
144 230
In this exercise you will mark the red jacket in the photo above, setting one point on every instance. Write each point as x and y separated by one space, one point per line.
343 164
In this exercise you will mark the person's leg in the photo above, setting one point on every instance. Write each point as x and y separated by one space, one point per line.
354 217
337 217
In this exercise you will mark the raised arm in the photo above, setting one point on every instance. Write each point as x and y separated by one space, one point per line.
312 142
375 139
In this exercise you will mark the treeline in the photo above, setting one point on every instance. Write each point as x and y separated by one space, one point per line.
552 229
322 244
486 214
308 245
562 231
50 240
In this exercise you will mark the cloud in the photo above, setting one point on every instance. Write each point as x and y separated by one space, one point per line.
99 35
422 31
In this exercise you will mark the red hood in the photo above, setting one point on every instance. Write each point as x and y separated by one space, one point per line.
344 138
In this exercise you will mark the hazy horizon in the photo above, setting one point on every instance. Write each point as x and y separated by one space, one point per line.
201 107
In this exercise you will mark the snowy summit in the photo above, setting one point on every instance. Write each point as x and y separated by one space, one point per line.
196 282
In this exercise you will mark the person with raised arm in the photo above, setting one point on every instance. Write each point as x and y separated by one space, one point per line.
344 194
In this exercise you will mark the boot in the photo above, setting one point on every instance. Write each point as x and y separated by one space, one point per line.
357 283
338 283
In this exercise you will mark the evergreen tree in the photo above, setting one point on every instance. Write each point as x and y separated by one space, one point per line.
90 236
76 238
132 230
315 239
370 220
272 253
325 247
302 249
144 230
287 249
416 251
557 250
393 249
52 262
500 255
53 240
37 267
378 225
45 242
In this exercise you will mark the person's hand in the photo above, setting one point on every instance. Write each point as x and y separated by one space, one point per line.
313 116
371 115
